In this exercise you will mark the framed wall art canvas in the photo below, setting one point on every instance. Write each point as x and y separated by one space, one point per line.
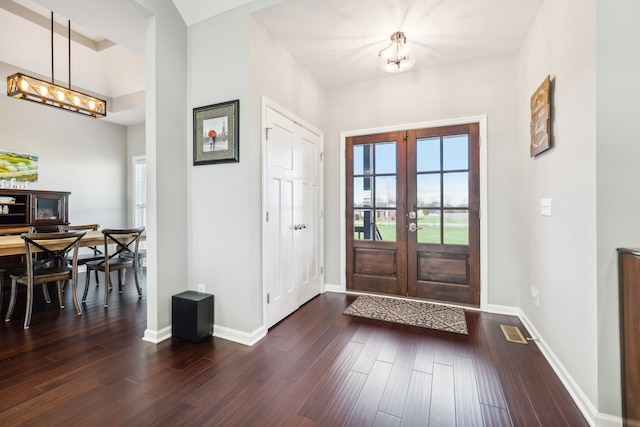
541 118
19 166
216 133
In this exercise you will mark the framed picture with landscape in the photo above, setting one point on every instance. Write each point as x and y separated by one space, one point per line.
216 133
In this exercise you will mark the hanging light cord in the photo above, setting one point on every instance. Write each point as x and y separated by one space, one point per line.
52 79
69 37
69 46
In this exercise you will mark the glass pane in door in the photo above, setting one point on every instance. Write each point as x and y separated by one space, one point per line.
428 190
429 226
456 189
375 188
385 191
362 192
363 224
456 227
385 158
385 227
428 154
455 152
362 159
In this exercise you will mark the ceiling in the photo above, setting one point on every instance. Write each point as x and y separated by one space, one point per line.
337 41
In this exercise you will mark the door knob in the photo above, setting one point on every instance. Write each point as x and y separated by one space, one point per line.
413 227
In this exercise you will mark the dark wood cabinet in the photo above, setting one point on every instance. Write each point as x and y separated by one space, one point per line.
44 210
629 303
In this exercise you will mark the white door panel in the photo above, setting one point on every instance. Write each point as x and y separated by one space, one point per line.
292 258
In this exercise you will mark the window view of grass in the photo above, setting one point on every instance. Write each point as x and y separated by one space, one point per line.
456 229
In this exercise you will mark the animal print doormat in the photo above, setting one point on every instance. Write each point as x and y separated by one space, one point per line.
410 312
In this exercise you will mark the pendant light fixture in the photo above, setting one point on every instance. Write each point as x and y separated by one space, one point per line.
395 58
21 86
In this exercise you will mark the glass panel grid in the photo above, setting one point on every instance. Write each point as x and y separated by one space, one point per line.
456 227
455 152
443 183
374 191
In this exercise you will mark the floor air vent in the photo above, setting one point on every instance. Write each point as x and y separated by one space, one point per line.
513 334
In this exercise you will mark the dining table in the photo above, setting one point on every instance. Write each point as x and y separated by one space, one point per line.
14 245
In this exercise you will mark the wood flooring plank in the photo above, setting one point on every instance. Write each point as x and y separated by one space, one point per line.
489 388
418 402
386 420
495 417
425 355
366 406
308 352
467 400
443 408
365 362
389 349
334 350
330 383
286 409
395 394
340 406
318 367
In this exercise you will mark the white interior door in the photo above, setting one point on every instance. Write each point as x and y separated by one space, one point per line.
293 223
308 237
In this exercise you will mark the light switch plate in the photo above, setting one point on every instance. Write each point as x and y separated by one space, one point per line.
545 207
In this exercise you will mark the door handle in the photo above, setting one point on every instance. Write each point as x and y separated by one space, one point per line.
413 227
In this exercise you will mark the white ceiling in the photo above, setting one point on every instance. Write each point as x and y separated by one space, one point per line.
337 41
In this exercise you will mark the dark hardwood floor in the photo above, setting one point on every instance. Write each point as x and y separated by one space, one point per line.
318 367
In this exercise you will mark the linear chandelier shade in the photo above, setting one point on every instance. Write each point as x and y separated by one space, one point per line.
395 58
21 86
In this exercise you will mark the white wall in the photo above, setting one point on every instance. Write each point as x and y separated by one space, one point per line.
224 203
618 152
471 89
276 74
167 163
225 199
76 153
561 249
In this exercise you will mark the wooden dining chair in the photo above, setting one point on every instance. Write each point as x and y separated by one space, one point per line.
125 243
46 253
94 253
14 264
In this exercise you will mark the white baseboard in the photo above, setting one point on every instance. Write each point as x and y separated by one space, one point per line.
591 414
333 288
503 309
240 337
604 420
218 331
157 336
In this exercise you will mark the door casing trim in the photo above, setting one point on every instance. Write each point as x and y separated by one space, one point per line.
484 224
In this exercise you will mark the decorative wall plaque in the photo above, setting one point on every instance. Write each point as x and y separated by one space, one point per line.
541 118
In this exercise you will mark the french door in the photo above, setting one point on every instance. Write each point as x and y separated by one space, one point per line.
413 201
